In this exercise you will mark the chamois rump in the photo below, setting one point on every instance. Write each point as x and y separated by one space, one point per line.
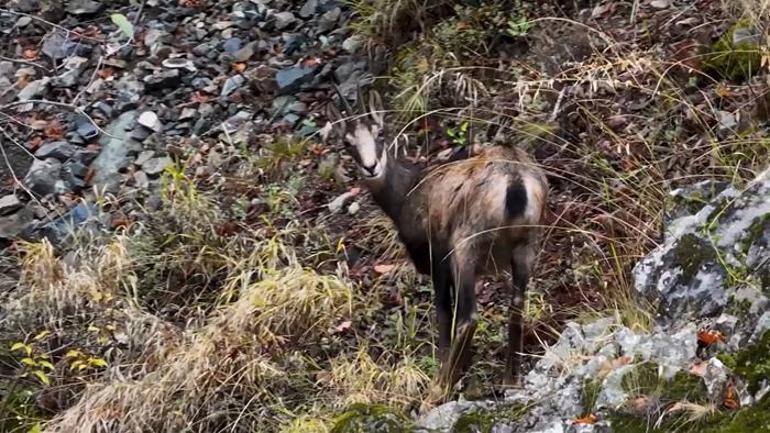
459 222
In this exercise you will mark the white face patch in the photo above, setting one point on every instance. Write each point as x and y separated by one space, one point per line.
365 146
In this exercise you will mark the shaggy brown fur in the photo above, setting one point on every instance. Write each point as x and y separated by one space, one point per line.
459 222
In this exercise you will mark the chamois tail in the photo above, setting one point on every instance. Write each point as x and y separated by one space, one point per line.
516 199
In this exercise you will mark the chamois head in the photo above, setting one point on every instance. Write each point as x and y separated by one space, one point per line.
364 134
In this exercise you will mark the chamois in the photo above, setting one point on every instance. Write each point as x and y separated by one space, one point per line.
459 222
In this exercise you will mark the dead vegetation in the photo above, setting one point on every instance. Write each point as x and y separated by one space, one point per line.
269 314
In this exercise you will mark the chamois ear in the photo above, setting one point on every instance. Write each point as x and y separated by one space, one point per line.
376 108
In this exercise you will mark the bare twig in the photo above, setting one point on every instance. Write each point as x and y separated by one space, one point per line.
90 81
24 62
68 106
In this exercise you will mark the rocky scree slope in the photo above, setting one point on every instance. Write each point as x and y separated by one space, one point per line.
84 108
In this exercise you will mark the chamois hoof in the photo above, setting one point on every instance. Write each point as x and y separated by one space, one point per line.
438 393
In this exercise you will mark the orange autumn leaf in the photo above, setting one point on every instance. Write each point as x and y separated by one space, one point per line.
709 337
723 91
54 130
731 400
588 419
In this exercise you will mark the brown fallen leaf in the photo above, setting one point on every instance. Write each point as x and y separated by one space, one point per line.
587 419
731 400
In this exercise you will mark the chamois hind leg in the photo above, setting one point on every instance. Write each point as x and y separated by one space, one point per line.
521 264
442 292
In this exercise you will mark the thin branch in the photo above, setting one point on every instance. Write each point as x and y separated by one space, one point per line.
71 107
24 62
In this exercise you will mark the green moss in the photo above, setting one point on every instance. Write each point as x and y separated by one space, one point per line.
752 419
690 254
738 62
644 380
685 386
738 308
477 421
753 363
362 418
482 420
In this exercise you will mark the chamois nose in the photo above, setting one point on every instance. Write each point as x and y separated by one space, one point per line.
370 169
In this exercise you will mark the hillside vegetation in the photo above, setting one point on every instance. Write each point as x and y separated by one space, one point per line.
233 298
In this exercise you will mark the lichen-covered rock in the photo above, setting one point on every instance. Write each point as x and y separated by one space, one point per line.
713 260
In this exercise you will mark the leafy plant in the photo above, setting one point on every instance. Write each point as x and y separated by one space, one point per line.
35 364
459 135
123 24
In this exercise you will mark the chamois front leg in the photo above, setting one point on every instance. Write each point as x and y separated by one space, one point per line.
442 292
464 277
520 267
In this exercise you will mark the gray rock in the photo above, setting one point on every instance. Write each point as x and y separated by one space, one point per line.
59 45
116 149
13 225
337 205
43 177
74 66
179 63
84 7
59 229
155 166
141 180
188 113
150 120
444 417
60 150
232 84
9 204
284 19
309 9
33 89
727 121
290 79
353 43
329 20
232 45
165 79
86 129
153 36
685 277
143 157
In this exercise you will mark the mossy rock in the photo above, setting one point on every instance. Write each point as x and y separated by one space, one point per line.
690 254
483 420
476 421
644 380
363 418
735 58
752 364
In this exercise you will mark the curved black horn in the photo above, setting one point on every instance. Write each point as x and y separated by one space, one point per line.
344 100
